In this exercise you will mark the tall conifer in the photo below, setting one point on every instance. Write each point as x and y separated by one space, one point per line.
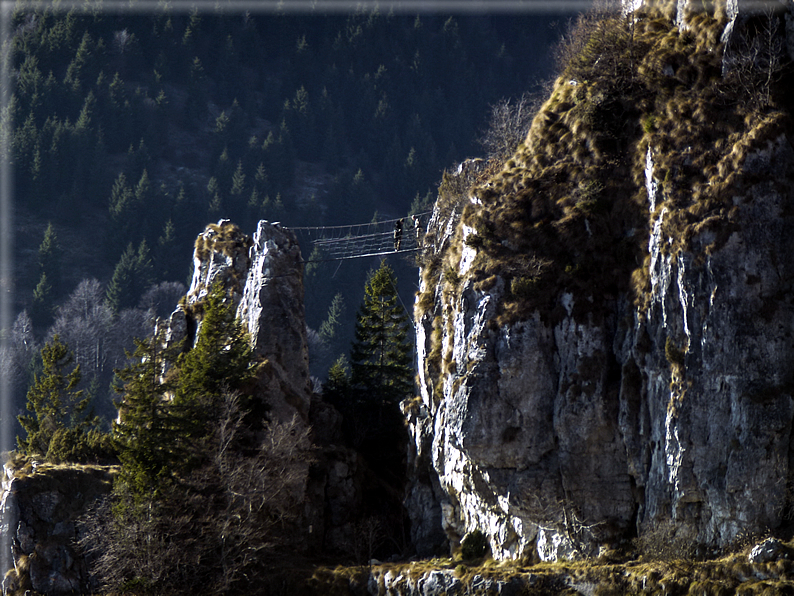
133 274
49 257
147 430
220 361
54 401
381 356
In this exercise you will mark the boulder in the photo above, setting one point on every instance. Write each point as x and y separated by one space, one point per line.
768 551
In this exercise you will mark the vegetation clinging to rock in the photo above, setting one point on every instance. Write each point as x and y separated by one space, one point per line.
224 237
573 196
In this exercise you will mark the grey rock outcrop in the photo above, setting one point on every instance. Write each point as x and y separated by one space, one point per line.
446 582
40 510
272 310
666 407
768 551
523 447
712 358
221 255
264 278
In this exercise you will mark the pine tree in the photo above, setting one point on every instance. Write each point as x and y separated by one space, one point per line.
43 302
148 432
144 270
336 389
238 180
49 257
215 199
54 400
220 361
132 275
381 376
121 197
381 356
122 283
166 262
49 284
121 207
261 177
143 192
166 417
329 327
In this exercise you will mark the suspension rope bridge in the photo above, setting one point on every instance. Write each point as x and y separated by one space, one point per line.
356 241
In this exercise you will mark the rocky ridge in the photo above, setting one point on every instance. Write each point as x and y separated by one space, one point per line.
264 274
664 407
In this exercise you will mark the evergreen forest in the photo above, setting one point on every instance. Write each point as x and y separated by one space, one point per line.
131 130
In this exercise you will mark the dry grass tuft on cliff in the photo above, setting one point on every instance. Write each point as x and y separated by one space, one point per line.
224 237
440 258
27 467
573 196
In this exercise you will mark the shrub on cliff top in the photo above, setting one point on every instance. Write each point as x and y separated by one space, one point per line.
77 445
61 425
223 237
474 545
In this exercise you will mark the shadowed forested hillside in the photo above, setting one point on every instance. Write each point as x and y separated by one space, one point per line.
130 132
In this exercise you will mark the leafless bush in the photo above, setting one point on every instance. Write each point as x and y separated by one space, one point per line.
98 339
578 32
135 550
456 186
84 322
162 298
663 543
369 535
753 60
598 44
572 43
319 350
563 517
262 493
216 529
16 353
123 40
509 124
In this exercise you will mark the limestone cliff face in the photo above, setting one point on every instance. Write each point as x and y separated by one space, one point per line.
718 405
525 442
571 397
272 310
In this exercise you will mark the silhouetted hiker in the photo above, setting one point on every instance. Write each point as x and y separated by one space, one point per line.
398 234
